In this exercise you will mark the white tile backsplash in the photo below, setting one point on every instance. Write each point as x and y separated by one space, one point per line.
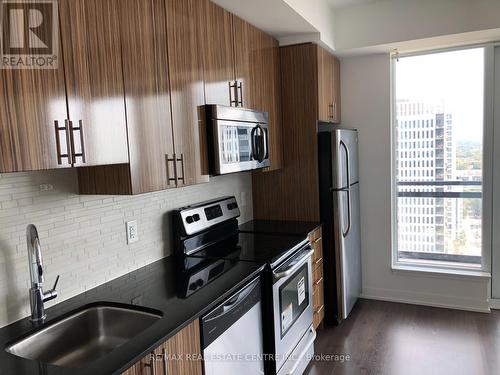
84 237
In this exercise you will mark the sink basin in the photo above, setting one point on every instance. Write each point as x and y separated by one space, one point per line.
84 336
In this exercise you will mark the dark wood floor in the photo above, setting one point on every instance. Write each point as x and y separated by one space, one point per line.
398 339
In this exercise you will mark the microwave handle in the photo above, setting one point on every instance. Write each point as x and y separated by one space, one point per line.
252 142
292 269
266 143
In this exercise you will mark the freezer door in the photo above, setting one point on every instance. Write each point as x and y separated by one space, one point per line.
348 247
345 158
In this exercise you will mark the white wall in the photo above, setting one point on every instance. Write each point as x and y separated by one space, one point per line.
83 237
366 106
391 21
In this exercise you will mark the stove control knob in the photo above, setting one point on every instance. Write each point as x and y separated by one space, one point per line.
189 219
193 286
199 282
196 217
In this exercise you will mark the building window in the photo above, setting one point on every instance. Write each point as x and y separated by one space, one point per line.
439 189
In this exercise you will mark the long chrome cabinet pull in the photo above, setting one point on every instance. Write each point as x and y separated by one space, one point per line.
152 363
58 129
171 179
165 364
82 145
240 96
181 160
233 93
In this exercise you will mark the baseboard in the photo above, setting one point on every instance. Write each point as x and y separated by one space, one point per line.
495 303
427 299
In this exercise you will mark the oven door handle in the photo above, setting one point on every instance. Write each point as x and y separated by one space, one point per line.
292 269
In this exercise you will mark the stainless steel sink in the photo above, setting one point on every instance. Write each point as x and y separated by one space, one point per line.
84 336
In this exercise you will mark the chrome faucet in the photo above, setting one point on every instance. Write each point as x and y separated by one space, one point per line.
37 296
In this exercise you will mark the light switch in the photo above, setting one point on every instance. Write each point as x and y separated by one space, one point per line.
132 232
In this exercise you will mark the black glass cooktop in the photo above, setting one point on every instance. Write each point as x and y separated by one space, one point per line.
251 247
279 227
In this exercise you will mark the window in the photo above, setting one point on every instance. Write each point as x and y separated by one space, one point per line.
438 180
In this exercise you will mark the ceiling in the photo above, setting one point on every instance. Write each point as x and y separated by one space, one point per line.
347 3
275 17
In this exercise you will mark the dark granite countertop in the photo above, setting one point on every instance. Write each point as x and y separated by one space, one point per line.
277 227
154 286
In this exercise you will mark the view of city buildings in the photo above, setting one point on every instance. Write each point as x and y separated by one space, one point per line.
439 184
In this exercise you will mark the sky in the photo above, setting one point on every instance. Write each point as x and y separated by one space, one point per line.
454 78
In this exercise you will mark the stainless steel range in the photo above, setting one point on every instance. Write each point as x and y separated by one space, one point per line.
209 230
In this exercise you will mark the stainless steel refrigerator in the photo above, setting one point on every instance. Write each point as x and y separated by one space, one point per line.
339 211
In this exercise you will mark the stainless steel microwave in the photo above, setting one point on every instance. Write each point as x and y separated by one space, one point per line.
237 139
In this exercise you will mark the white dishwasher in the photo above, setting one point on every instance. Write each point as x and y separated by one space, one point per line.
232 334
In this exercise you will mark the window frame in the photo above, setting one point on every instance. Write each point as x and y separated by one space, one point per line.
487 186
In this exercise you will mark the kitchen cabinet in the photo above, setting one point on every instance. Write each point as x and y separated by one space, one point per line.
292 193
184 18
180 355
315 239
163 81
242 68
66 116
328 87
94 81
218 55
33 130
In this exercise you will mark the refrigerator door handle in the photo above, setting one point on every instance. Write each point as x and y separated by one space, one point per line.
346 232
347 162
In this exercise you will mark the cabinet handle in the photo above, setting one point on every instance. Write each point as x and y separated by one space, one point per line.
317 311
318 260
316 240
330 111
164 359
58 129
181 160
152 364
233 93
317 282
167 161
240 97
82 142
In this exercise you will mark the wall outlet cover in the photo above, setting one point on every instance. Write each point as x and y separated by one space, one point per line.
132 231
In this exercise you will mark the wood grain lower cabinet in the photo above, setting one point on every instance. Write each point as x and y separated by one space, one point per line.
180 355
94 81
318 281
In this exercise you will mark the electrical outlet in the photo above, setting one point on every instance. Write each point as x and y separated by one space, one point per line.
132 232
46 187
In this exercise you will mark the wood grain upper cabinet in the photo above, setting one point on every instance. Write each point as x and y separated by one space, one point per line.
258 76
328 87
218 54
147 94
32 106
184 20
94 81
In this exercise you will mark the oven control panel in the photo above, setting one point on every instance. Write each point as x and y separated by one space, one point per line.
199 217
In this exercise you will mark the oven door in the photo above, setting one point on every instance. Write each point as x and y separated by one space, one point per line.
292 303
240 146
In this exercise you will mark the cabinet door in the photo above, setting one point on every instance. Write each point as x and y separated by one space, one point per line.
257 65
184 20
180 355
32 105
336 90
248 61
94 80
218 54
147 95
185 345
325 85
